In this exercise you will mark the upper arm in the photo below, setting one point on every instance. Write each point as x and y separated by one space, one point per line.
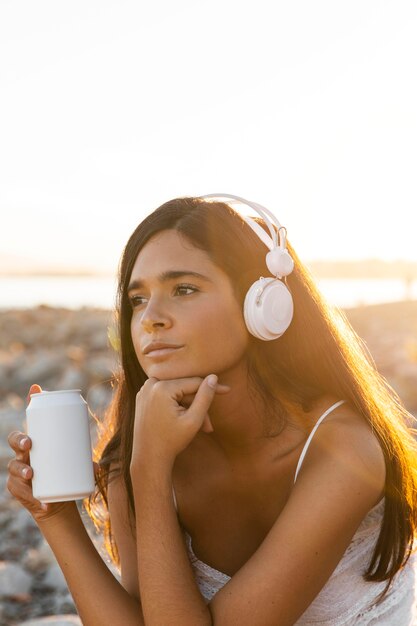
341 479
124 539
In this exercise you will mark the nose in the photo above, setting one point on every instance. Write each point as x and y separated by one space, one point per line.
154 316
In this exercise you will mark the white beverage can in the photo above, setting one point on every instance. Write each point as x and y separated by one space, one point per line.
61 456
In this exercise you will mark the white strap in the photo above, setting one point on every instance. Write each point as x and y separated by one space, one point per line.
319 421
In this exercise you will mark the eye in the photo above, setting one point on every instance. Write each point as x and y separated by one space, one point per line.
137 300
180 287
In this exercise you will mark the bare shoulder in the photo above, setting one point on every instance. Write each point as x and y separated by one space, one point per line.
346 437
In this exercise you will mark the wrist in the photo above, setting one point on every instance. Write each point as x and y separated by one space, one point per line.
150 464
150 470
60 511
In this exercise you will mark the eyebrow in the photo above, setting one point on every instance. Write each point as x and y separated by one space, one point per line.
167 276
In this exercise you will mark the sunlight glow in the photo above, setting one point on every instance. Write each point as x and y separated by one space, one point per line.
114 108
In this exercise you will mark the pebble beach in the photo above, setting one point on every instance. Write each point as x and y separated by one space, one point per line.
76 349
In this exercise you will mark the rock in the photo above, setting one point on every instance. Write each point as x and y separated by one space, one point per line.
4 492
72 378
54 578
5 518
64 603
98 398
40 366
6 453
98 340
21 521
76 354
100 367
13 580
40 558
10 419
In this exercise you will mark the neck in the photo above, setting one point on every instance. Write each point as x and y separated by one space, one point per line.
238 419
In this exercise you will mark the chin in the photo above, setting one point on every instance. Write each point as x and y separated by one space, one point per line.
173 373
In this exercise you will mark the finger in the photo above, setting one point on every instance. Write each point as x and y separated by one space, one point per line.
207 426
20 444
19 469
203 398
187 399
182 387
19 441
21 489
33 389
220 388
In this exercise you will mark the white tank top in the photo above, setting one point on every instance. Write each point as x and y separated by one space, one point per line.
346 599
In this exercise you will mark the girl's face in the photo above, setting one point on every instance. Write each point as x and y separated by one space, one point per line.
198 314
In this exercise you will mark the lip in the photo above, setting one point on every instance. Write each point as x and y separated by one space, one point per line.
159 346
161 352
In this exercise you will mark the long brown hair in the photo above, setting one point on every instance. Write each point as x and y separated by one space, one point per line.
319 354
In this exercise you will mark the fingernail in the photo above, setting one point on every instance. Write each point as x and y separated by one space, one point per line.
23 441
212 380
44 506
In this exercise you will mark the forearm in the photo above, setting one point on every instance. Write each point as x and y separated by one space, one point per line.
168 590
99 597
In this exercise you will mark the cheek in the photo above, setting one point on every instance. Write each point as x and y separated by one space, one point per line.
223 328
216 331
135 334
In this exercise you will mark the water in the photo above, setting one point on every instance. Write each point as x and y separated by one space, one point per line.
71 292
99 292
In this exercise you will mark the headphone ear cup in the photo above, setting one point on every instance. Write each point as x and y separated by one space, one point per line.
279 262
270 317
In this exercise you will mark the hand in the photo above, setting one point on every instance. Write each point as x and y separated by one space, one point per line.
20 485
164 427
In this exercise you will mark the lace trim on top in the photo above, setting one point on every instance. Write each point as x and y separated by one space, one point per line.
368 522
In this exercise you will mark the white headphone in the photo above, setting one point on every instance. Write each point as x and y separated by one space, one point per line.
268 308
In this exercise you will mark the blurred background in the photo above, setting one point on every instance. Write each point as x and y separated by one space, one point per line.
108 109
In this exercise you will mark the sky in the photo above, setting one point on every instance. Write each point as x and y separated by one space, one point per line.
110 108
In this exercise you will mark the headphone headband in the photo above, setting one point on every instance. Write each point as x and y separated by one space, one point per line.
272 242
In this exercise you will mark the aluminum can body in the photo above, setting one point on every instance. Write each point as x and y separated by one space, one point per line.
61 457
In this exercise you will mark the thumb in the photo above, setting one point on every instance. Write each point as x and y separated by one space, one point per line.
197 411
33 389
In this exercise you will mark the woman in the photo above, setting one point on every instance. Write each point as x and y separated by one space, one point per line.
252 477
